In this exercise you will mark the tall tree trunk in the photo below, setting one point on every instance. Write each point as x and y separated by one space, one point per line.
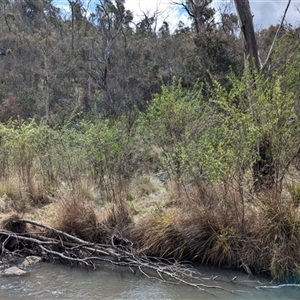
246 23
47 89
71 3
263 168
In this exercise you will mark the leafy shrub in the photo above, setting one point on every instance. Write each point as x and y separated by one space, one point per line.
112 156
173 123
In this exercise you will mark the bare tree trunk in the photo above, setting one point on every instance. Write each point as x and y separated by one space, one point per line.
72 24
263 168
246 23
47 89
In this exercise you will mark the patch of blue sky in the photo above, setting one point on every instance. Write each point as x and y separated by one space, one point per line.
265 12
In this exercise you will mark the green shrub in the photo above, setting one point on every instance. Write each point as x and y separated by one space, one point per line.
112 156
295 194
173 123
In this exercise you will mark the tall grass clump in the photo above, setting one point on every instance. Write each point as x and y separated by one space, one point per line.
274 239
81 217
193 230
156 235
78 217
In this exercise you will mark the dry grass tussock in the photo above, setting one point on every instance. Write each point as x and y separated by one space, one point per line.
257 237
15 196
82 218
77 216
156 234
191 232
273 243
12 196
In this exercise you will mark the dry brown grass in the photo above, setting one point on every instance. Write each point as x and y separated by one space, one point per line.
81 217
156 235
211 230
13 196
145 186
114 219
77 217
16 196
37 195
274 239
198 222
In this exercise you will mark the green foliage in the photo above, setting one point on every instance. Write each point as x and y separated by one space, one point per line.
229 138
104 151
218 138
111 154
295 194
191 135
254 107
173 123
19 143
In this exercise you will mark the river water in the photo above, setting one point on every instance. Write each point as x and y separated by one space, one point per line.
54 281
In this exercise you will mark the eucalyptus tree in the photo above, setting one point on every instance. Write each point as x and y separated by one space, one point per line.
201 12
216 45
110 21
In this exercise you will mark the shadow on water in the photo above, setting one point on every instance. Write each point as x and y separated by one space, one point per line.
53 281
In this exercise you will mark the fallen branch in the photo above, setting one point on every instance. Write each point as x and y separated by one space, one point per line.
68 248
59 232
278 286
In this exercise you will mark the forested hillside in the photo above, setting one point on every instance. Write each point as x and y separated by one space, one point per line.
102 64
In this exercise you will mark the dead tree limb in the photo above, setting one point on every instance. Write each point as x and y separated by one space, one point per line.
276 34
73 250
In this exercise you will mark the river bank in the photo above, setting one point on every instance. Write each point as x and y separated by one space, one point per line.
165 223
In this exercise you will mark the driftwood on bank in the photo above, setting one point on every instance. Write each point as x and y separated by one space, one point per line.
75 251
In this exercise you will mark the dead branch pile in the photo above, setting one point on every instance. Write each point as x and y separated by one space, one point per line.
72 250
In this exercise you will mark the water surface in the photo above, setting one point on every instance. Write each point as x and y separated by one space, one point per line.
53 281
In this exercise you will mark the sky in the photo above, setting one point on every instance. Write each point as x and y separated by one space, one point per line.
266 12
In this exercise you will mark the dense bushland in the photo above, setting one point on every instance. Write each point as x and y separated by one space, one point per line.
200 152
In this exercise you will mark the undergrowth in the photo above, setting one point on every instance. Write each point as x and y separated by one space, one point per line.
199 152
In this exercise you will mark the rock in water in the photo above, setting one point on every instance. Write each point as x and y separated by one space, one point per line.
13 271
31 260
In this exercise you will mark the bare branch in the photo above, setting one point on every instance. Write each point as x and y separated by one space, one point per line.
278 286
276 34
120 252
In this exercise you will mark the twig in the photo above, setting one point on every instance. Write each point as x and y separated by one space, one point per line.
24 238
278 286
